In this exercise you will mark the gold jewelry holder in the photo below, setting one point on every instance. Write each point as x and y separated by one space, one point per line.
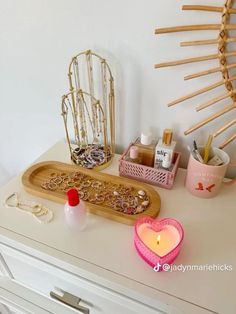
223 39
88 111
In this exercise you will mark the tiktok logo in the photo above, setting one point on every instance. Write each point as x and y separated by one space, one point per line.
164 267
157 267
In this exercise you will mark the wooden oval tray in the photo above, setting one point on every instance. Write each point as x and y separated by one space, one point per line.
38 174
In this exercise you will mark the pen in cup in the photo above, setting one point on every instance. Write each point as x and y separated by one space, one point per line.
193 152
207 149
196 153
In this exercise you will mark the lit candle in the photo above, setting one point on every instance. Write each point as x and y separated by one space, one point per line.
148 234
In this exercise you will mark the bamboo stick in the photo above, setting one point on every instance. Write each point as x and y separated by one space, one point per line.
229 54
191 60
211 118
187 28
199 42
229 140
206 42
224 128
213 101
210 71
201 91
185 61
202 73
202 8
196 93
207 8
231 11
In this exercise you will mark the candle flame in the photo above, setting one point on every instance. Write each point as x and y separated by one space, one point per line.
158 239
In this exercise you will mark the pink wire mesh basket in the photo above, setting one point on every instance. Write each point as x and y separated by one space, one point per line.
159 177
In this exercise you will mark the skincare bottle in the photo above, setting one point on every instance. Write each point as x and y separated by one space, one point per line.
74 210
146 146
164 146
166 163
134 155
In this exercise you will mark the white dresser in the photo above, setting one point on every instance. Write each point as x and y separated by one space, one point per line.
101 266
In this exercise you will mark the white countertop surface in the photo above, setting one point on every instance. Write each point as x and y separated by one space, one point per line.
106 247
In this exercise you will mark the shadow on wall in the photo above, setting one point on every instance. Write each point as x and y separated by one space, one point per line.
128 109
4 175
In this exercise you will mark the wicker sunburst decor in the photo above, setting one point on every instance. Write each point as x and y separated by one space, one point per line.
224 67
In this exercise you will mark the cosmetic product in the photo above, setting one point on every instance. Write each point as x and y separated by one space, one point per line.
146 146
134 155
164 146
75 211
166 163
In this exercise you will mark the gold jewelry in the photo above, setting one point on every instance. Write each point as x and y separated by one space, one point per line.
38 211
126 199
63 186
66 179
86 196
96 184
44 185
70 184
81 194
86 184
57 180
125 205
76 176
99 198
52 186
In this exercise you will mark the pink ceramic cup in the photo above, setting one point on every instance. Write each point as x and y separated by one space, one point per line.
204 180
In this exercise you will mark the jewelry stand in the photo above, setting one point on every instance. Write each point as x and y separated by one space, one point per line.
88 111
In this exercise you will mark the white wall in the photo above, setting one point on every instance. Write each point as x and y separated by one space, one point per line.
38 39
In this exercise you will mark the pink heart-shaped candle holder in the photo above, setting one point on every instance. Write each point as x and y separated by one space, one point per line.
158 242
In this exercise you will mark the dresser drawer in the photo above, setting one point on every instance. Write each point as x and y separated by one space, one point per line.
5 310
8 310
16 299
4 269
1 268
45 278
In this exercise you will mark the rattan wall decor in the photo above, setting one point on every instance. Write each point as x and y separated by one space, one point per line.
88 111
224 67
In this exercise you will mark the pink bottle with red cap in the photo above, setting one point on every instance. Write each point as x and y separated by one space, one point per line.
75 212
